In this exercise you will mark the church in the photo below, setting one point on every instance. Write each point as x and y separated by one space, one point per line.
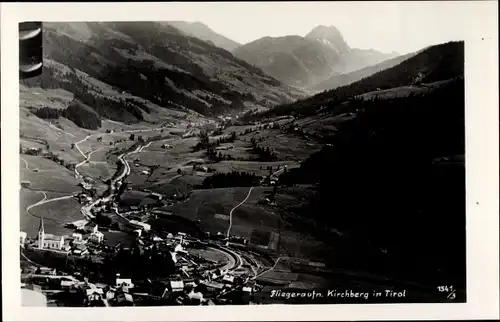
49 241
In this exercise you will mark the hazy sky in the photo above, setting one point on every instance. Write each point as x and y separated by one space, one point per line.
386 26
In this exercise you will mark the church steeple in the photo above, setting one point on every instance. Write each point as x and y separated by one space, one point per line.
41 234
40 228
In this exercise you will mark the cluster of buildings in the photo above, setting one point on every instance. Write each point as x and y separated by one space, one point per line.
74 244
197 281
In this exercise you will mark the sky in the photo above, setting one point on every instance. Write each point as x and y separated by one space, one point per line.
386 26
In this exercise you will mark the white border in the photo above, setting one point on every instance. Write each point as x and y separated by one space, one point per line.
482 181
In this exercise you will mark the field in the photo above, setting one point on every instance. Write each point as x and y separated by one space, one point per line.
403 91
259 224
47 175
287 146
98 169
28 223
178 156
55 213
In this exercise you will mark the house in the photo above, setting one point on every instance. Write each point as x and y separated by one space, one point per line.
124 299
92 228
97 237
85 185
95 297
77 237
213 285
124 282
110 294
66 285
195 297
176 286
23 235
189 282
228 279
166 146
79 249
180 237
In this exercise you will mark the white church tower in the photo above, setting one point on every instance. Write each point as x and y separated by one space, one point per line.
41 234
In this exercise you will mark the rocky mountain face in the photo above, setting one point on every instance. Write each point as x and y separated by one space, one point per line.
306 61
155 63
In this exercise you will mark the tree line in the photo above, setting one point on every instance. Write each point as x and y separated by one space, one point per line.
230 179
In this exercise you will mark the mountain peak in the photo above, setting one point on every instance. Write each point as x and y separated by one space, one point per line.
323 30
329 35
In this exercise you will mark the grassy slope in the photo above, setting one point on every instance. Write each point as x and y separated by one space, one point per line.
178 71
345 79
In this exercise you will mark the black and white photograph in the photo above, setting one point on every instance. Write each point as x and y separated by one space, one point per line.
277 153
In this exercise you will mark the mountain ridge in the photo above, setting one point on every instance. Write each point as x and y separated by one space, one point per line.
306 61
431 64
157 63
204 32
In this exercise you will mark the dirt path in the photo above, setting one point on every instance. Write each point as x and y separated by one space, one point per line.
26 163
44 200
270 269
234 208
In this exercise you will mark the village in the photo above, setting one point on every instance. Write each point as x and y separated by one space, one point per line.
189 278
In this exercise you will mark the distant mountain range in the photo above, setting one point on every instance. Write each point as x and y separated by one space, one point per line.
203 32
433 64
310 60
347 78
154 62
